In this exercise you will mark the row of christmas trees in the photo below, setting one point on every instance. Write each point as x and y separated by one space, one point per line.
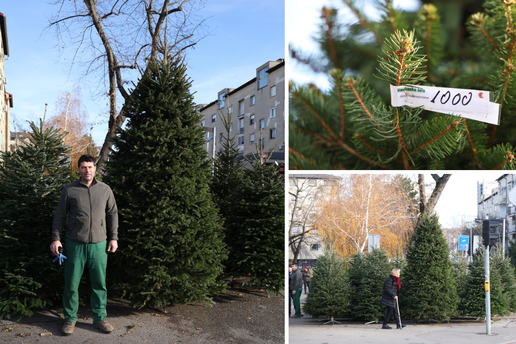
188 225
433 284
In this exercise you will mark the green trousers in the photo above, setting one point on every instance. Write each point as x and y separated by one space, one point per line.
297 302
80 255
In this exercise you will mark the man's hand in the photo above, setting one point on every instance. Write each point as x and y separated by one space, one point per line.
293 292
54 247
112 246
395 297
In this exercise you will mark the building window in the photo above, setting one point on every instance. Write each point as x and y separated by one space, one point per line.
312 182
252 119
231 108
241 125
262 78
262 123
253 100
222 102
273 133
273 91
314 247
241 140
221 137
251 138
213 118
203 123
273 112
231 127
241 108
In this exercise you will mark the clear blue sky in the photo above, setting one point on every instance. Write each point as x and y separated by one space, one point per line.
243 35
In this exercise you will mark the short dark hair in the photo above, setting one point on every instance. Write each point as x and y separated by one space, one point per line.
86 158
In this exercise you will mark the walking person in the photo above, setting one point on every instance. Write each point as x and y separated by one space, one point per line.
92 231
307 274
289 291
390 293
296 287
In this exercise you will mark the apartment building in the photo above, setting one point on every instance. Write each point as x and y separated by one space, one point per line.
6 99
305 191
497 202
257 111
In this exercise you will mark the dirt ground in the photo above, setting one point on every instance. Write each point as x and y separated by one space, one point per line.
238 316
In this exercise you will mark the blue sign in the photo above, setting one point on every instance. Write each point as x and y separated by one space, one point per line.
463 242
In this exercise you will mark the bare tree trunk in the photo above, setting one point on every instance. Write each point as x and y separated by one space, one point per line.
428 207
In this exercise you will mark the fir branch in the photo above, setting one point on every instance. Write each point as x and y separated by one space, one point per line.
295 55
300 156
358 155
402 142
350 83
477 19
473 149
307 106
357 136
390 15
448 128
363 22
326 13
337 77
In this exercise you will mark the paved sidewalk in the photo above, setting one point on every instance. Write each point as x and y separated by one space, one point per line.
307 330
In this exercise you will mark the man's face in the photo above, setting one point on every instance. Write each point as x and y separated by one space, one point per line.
289 269
294 267
87 171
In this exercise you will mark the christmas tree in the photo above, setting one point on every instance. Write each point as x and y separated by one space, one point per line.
31 181
428 287
257 229
228 177
329 295
373 269
473 300
171 242
507 279
354 126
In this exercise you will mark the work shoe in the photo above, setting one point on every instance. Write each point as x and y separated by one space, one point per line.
398 326
104 326
386 327
68 328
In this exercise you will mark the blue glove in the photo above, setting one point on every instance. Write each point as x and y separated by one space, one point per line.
59 257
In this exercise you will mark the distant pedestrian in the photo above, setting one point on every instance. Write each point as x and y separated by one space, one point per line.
296 287
390 293
307 274
289 291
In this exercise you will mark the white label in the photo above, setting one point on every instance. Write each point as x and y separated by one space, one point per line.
471 104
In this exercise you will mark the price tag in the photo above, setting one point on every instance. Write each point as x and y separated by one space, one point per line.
471 104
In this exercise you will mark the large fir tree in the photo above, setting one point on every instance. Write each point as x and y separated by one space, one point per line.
171 241
330 290
227 180
374 268
428 289
258 235
353 126
473 300
31 180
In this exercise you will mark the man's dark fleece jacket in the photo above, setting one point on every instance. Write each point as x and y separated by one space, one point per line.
93 215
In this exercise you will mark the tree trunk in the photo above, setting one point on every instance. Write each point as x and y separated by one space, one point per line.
428 207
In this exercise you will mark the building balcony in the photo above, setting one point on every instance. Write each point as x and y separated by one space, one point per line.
241 130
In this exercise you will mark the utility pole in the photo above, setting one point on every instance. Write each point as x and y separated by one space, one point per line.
486 237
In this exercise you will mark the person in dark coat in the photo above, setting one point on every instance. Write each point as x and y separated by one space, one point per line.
289 291
307 274
390 293
296 287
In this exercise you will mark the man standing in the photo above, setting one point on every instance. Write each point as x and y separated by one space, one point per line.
92 232
296 287
307 275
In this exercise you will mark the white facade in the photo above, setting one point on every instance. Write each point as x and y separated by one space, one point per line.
304 192
257 109
6 100
497 202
